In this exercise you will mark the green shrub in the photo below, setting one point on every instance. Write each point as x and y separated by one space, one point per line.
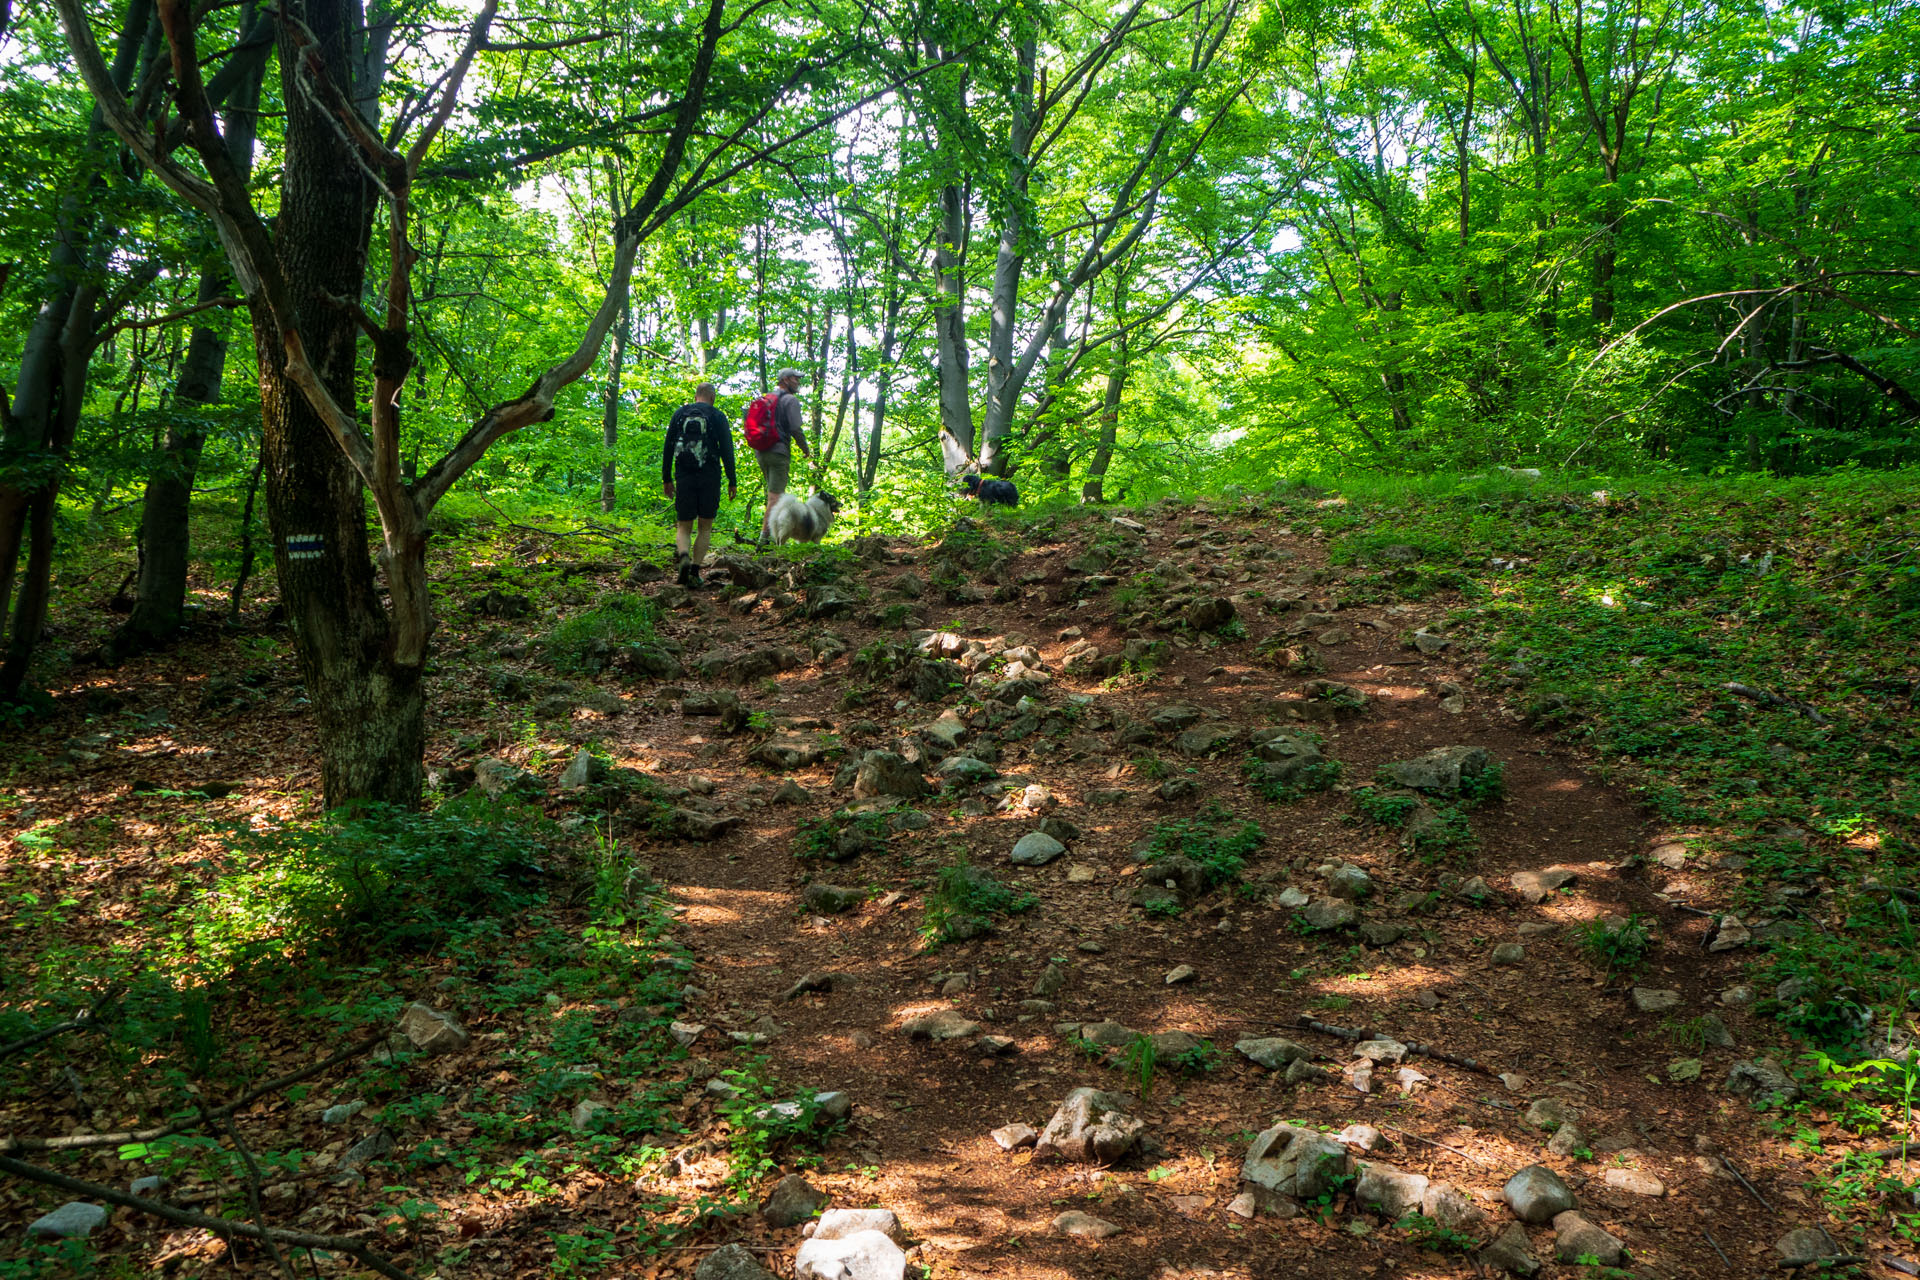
1388 808
1318 776
1616 945
1485 787
964 901
581 644
378 880
1209 839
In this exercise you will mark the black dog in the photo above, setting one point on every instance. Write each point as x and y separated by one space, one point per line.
993 492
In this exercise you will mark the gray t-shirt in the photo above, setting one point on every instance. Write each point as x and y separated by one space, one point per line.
787 418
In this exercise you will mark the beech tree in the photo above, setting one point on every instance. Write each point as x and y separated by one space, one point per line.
362 122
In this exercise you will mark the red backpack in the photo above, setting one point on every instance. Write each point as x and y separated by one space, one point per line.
763 431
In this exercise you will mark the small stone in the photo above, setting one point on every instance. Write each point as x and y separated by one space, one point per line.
1550 1113
1179 974
1080 873
996 1046
1510 953
1713 1031
1350 882
586 1112
1091 1125
342 1112
830 899
1273 1052
791 792
1803 1246
1512 1252
1015 1137
1567 1141
1295 1162
584 770
837 1224
685 1033
1391 1192
1381 1050
731 1262
793 1201
1050 982
1536 1194
864 1255
1075 1223
1301 1070
1732 933
1325 914
1574 1238
1656 1000
1534 886
431 1031
1365 1137
955 985
1036 849
941 1024
75 1218
1738 997
1636 1182
1293 898
1763 1080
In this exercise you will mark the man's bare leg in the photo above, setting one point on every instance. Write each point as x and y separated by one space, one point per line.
701 543
683 535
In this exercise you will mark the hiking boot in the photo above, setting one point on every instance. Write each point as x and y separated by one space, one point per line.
694 581
683 570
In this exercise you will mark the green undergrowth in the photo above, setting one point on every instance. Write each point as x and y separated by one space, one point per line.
554 950
964 902
1619 614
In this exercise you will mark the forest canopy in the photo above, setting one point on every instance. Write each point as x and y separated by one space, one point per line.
1104 250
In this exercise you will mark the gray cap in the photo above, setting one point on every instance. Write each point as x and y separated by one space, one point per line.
795 374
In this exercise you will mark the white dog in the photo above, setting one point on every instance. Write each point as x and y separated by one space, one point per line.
805 521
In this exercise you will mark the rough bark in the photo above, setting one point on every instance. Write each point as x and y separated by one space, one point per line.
610 413
1010 259
950 317
1094 490
368 708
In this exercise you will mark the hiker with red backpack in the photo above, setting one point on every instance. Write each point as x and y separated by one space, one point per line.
773 427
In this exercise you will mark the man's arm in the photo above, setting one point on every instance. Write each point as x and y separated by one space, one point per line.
726 451
666 454
790 421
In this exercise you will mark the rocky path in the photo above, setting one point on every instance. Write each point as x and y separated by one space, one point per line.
942 706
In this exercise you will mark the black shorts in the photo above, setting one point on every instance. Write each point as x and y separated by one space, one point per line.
696 491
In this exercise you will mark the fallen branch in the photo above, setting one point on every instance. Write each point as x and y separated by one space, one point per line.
1826 1264
1742 1179
85 1020
1717 1249
1424 1050
1465 1155
188 1218
1761 696
80 1141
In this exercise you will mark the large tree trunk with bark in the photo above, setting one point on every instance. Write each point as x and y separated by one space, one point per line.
160 595
950 318
37 427
369 709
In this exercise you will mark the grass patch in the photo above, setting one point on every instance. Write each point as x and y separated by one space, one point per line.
581 645
964 902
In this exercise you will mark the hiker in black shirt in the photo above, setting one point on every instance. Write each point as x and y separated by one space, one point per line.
699 444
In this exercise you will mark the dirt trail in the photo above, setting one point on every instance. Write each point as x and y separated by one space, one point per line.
920 1141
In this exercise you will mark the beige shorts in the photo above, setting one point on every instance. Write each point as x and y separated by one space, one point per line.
775 465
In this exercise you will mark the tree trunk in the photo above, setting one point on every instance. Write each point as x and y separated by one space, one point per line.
38 426
950 318
1094 490
161 594
1007 267
610 417
369 709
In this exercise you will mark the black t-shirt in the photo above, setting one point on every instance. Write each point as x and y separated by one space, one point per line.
699 435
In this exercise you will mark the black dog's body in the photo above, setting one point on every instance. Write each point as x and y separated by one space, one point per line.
992 491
